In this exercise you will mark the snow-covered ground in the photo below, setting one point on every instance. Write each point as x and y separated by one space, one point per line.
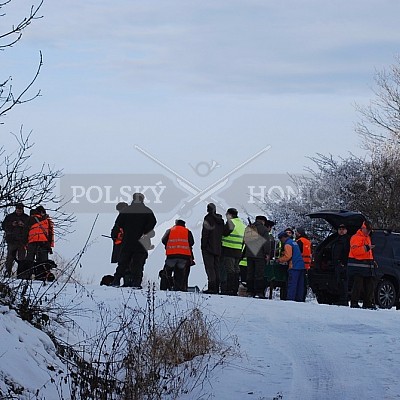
287 350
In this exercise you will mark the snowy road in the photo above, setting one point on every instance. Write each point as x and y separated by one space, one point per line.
287 350
310 351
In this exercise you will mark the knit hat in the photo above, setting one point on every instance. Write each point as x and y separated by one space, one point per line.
232 211
211 208
282 234
367 225
262 218
41 210
301 231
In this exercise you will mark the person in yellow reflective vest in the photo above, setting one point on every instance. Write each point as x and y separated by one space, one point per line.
232 243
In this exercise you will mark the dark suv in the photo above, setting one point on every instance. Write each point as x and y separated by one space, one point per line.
321 277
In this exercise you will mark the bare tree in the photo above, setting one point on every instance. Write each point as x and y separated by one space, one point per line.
370 184
8 38
20 183
380 119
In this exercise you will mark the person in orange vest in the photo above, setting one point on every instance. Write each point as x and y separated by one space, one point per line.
362 267
117 234
178 242
305 248
39 235
304 244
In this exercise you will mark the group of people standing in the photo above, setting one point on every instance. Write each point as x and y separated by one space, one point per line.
353 255
235 253
30 240
232 251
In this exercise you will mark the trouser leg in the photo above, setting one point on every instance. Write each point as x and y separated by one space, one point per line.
223 274
232 273
179 274
259 280
251 276
300 285
186 273
356 290
292 285
211 266
368 300
11 255
122 267
134 275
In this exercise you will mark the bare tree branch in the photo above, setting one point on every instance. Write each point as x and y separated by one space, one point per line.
9 99
16 30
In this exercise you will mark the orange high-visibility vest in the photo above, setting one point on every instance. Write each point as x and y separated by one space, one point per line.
41 231
119 237
178 242
306 253
357 246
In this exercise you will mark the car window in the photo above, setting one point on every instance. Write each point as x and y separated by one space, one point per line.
382 245
396 246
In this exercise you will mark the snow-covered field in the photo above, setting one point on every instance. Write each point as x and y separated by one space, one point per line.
287 350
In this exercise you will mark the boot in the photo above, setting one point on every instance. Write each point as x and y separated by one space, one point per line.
232 284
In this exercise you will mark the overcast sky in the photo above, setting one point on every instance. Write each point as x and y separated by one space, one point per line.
197 82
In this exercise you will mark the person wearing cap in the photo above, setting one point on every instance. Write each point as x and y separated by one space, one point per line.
231 253
211 237
257 253
340 254
296 269
137 221
178 242
362 267
13 225
279 247
304 245
39 232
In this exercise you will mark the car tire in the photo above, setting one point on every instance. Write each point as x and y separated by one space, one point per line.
385 294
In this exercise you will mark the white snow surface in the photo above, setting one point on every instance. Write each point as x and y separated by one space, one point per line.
287 350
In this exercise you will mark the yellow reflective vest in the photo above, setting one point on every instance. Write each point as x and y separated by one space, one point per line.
235 239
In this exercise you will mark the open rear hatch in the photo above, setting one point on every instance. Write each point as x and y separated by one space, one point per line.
353 220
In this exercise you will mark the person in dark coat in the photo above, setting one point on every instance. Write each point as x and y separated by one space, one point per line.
211 236
257 254
13 226
340 255
117 234
136 221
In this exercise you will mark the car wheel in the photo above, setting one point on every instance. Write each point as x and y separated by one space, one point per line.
385 294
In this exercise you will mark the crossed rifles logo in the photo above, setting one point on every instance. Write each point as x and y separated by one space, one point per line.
198 195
